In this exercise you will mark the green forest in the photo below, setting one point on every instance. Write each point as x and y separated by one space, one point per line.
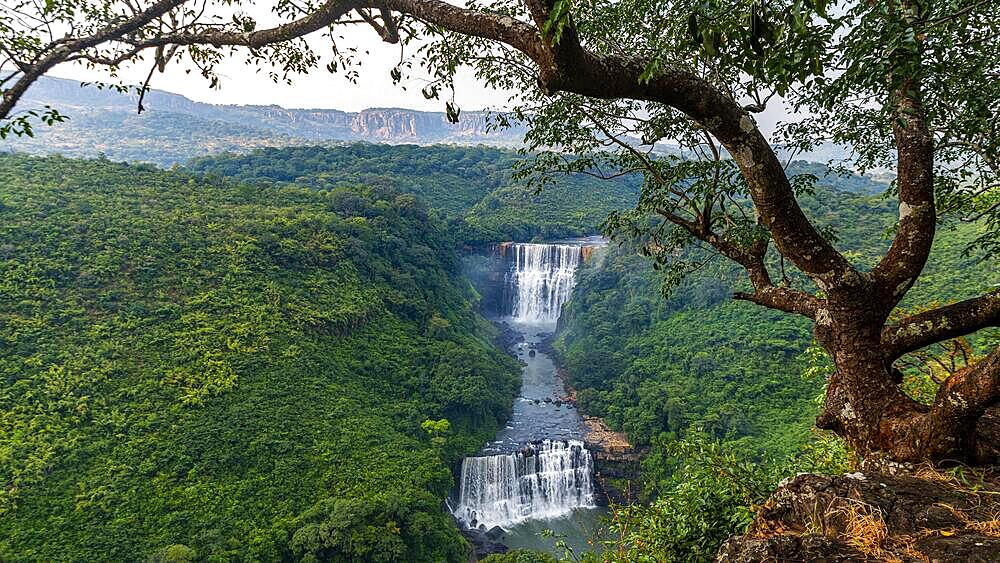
277 356
659 366
206 369
473 189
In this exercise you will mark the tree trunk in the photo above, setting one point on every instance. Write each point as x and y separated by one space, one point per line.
867 407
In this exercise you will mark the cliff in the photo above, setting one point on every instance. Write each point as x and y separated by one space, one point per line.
388 125
616 461
925 516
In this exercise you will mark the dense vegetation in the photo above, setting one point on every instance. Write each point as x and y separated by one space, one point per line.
658 368
275 356
210 369
713 493
471 187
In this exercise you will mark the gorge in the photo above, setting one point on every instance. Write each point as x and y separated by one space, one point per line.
537 467
355 327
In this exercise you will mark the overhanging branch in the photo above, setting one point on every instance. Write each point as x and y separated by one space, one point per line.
64 48
938 325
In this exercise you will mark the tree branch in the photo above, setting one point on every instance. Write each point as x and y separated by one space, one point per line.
938 325
505 29
326 15
64 48
783 299
911 246
964 396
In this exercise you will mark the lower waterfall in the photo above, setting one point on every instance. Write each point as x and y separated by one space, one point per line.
544 480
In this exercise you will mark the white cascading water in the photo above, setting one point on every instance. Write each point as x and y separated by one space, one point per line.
541 277
542 481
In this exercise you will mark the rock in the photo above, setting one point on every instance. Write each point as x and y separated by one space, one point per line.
482 543
531 353
495 533
927 516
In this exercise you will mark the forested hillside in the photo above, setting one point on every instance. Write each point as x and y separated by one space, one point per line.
659 368
211 369
471 187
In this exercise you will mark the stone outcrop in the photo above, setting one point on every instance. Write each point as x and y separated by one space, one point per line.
403 125
485 542
926 516
616 461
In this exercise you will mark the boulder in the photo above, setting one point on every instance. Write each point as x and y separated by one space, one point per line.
482 544
925 516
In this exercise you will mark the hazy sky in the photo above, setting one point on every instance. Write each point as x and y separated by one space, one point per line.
242 84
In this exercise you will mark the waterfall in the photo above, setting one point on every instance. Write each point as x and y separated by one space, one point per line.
543 469
540 280
544 480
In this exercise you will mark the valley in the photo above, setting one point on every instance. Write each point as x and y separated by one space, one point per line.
537 468
345 309
571 282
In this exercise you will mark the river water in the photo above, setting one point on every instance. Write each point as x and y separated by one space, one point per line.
536 474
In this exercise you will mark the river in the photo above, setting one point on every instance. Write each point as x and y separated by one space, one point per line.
536 474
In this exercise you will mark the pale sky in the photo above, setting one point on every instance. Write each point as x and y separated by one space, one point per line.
242 84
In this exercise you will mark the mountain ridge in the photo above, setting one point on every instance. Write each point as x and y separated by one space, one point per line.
390 125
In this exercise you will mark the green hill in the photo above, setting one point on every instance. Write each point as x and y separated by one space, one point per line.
237 370
470 187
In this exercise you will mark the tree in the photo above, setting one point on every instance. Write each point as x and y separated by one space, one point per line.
438 430
904 84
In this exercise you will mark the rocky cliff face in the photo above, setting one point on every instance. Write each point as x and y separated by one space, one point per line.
386 125
927 516
617 467
392 124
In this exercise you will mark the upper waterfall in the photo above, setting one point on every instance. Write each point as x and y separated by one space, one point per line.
540 280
